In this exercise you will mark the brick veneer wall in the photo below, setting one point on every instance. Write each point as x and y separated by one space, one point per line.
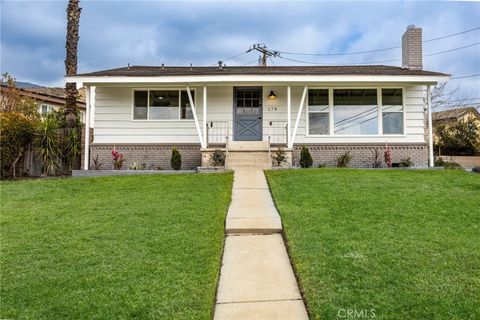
363 153
152 155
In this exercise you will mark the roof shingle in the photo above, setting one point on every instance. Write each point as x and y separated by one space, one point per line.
155 71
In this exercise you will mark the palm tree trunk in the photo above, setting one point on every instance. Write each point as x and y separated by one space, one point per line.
73 23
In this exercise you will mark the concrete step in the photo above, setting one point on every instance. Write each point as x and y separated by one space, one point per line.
248 166
248 145
248 162
253 225
255 159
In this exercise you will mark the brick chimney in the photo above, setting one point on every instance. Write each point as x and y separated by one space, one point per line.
412 48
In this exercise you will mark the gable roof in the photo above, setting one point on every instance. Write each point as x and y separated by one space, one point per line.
155 71
49 94
57 92
454 113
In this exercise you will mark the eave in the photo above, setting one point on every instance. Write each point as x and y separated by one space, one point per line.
273 79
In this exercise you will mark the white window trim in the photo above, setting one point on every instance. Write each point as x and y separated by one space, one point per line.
307 112
404 114
379 111
179 89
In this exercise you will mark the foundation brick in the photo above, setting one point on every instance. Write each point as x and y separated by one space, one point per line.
363 154
154 156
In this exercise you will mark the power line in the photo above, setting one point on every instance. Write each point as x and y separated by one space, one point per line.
459 105
463 77
271 60
455 49
466 99
451 35
235 56
330 63
249 63
375 50
381 61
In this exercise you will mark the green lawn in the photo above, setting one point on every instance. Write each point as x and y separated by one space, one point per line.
138 247
404 243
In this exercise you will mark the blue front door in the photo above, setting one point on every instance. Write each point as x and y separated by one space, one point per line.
247 113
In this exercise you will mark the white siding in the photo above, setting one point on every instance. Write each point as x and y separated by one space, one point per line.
114 124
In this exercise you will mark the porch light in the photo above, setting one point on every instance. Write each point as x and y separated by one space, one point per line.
272 95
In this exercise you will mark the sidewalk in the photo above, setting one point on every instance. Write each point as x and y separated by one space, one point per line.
256 279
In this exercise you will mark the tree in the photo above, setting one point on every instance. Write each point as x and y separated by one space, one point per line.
73 23
462 138
11 99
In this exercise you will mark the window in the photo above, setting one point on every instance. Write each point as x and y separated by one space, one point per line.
318 115
392 111
45 109
248 101
162 105
355 111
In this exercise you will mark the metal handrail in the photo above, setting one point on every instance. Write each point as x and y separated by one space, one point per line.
218 132
275 134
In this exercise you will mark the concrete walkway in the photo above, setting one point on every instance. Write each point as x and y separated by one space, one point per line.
256 279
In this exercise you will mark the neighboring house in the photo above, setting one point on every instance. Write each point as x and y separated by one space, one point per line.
52 99
453 116
143 111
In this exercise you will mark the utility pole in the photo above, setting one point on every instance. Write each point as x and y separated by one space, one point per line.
265 53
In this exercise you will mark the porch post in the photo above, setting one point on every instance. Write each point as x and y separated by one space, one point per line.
300 109
205 115
430 130
194 111
87 130
289 114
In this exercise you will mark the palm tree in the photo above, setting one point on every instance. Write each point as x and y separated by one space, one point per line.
73 23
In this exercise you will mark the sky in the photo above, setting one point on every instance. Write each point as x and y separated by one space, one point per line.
116 33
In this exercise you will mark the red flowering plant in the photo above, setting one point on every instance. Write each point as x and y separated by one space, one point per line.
388 157
117 159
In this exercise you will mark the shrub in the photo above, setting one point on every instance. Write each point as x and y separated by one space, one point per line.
176 161
343 160
19 119
96 163
476 169
376 162
387 155
117 159
439 162
72 148
137 166
322 165
405 163
48 142
218 157
62 121
16 133
280 156
452 165
306 160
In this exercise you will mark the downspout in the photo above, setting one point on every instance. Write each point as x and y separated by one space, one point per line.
430 129
87 130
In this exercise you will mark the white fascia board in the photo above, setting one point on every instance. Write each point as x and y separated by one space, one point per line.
217 79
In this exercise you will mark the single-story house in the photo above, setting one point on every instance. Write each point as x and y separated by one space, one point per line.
144 111
455 115
52 98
